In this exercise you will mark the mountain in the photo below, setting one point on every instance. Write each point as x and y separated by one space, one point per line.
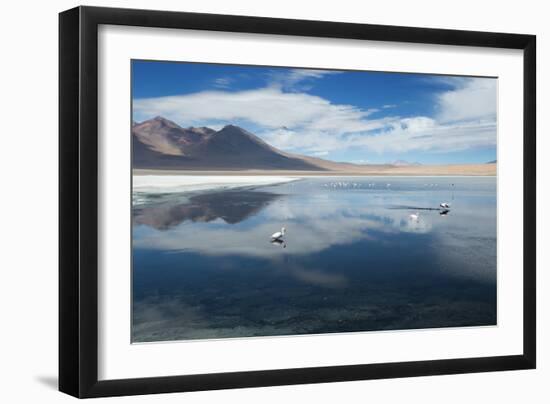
491 162
160 143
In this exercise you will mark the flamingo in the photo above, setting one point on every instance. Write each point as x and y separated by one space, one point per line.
414 216
279 235
444 205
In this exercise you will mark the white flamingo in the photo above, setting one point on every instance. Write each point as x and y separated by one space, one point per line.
279 235
414 216
444 205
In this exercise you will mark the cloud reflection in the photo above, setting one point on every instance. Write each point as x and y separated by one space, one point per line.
351 260
240 222
309 229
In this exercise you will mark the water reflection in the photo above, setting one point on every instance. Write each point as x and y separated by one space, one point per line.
230 206
279 242
317 223
205 265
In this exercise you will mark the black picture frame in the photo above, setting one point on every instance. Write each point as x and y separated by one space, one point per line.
78 201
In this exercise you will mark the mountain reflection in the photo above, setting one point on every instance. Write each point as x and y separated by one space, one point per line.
230 206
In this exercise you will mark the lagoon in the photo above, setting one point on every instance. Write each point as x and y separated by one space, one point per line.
352 259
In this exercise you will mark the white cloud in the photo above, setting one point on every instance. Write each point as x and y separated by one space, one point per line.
472 98
431 136
266 107
305 123
223 82
290 80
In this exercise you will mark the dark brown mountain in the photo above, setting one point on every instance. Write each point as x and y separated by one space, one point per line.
162 144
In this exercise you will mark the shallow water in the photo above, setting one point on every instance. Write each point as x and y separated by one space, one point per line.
352 258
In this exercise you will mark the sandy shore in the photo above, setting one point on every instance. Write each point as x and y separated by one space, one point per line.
424 170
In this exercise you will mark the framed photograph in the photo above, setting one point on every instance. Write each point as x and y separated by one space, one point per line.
251 201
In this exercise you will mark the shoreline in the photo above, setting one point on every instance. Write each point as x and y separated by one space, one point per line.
163 184
474 170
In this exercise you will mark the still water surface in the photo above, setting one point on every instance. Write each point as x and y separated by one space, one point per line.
352 258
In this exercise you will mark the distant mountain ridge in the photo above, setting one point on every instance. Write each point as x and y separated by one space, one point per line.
404 163
159 143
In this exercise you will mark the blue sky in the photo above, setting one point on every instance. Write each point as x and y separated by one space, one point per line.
361 117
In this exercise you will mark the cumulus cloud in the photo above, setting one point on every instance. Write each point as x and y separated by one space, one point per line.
300 122
267 107
473 98
425 134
